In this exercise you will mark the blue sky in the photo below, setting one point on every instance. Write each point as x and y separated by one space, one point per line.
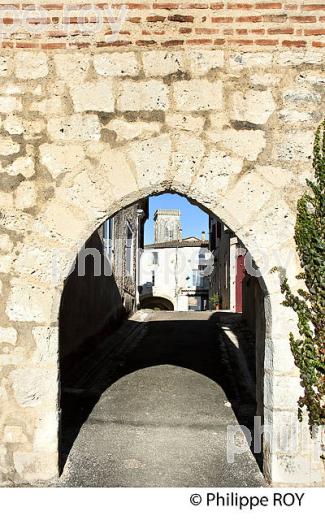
193 219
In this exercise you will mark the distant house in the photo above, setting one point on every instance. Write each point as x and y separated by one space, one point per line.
123 237
238 289
173 272
228 273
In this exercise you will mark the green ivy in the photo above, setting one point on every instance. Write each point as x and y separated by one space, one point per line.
309 303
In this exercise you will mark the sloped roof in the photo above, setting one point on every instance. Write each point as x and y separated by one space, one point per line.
189 242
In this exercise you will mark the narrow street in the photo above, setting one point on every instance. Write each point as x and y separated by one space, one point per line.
159 403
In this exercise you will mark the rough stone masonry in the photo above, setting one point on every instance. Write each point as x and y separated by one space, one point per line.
217 101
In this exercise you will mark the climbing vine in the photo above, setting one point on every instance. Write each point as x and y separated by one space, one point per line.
309 303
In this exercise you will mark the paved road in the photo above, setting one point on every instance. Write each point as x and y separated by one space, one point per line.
163 417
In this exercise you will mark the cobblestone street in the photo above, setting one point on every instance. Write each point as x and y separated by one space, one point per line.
160 394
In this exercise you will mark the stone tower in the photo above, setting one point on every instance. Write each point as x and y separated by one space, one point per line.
167 225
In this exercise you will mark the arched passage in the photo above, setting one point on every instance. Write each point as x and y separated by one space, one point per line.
83 201
156 302
216 125
93 293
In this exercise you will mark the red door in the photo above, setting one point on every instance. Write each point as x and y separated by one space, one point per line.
240 274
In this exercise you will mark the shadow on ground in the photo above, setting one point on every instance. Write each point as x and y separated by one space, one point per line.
216 345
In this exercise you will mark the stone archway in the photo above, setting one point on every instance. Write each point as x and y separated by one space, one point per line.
35 385
87 171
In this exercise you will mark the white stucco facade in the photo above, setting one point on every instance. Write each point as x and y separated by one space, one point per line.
176 273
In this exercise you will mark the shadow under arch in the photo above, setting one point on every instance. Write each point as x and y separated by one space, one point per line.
85 398
156 303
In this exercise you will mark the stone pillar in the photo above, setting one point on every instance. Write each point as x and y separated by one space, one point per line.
291 457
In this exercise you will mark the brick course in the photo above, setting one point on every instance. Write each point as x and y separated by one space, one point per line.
164 24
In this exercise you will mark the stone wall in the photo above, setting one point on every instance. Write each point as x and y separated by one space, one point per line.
83 134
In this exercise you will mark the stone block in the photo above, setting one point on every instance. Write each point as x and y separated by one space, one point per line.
279 356
294 116
265 80
13 125
281 391
14 434
143 95
300 96
118 173
243 143
32 466
163 63
188 152
26 195
42 261
291 147
29 303
218 168
72 67
5 66
197 94
187 122
218 120
61 158
14 220
13 89
243 60
202 61
10 104
74 128
296 57
6 200
6 263
46 432
47 345
8 335
117 64
8 146
253 106
151 159
34 386
279 177
137 129
89 191
30 65
274 215
316 79
63 222
49 106
22 166
96 96
6 244
247 197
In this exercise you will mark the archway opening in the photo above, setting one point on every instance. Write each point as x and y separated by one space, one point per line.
156 303
216 329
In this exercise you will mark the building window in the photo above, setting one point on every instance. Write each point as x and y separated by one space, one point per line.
155 258
108 238
129 250
153 278
198 279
